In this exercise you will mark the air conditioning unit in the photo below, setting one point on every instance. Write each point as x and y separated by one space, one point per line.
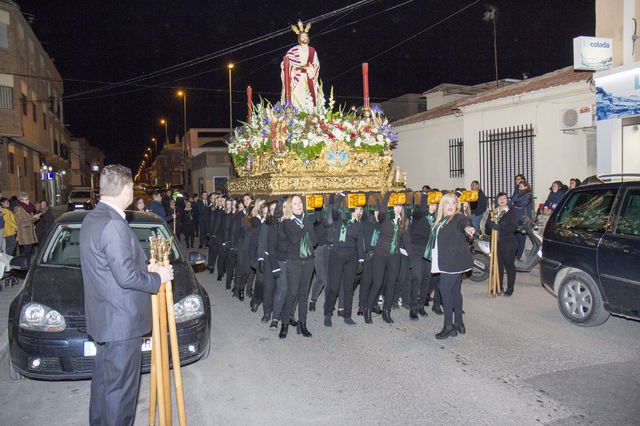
577 118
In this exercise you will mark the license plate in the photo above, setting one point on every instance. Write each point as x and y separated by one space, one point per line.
146 344
89 349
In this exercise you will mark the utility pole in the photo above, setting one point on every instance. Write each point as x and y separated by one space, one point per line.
491 15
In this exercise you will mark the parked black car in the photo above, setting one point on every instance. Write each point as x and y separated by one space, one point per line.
47 327
591 252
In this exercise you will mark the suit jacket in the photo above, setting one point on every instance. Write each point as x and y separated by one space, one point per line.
203 212
116 282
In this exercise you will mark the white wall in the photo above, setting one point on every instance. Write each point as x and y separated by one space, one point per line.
423 152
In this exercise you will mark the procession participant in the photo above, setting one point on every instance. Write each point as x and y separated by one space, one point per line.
346 258
258 214
429 282
280 271
187 222
25 216
303 72
117 289
300 238
243 270
371 233
223 237
403 283
232 243
323 224
449 253
267 260
419 230
220 235
478 208
202 209
386 258
506 223
213 227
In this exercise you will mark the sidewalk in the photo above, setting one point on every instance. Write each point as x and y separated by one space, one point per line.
6 297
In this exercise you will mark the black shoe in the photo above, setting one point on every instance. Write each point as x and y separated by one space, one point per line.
437 310
449 331
367 317
312 306
422 312
395 306
274 325
227 286
302 329
327 321
508 293
341 312
376 309
348 320
386 316
211 270
413 314
254 306
283 331
460 328
360 311
293 323
249 292
265 318
234 292
219 278
241 295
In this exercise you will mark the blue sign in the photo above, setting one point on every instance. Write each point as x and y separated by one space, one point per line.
51 176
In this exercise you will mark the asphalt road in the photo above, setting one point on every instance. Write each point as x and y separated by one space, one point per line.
519 363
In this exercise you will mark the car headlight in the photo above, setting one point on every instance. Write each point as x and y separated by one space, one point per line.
188 308
35 316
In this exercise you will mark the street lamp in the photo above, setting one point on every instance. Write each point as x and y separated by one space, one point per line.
183 94
155 145
230 67
166 133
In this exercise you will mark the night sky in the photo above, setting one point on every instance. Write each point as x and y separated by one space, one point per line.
94 43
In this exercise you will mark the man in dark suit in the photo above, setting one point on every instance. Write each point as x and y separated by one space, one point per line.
202 207
117 288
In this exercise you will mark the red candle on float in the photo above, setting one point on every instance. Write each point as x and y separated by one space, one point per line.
287 80
249 103
365 83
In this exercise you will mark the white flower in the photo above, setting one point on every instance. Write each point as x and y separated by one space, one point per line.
338 134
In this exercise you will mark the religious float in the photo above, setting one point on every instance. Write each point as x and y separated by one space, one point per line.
305 144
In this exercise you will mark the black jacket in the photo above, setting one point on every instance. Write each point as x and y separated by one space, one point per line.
294 234
453 249
202 211
383 247
420 228
187 220
354 241
268 245
479 207
507 225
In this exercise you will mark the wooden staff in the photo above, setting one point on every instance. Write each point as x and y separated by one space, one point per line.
494 270
156 354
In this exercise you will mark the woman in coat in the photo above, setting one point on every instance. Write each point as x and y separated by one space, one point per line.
556 192
45 222
300 238
448 251
25 219
187 220
506 223
267 260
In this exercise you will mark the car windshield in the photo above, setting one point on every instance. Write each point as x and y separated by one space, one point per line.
64 246
80 194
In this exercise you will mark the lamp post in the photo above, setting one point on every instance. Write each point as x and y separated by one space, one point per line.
155 146
166 132
230 67
183 94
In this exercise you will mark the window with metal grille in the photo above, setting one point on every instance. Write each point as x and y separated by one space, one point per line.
34 112
504 153
6 97
44 120
456 157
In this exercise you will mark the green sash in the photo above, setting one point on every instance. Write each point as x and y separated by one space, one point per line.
433 238
374 237
306 249
394 241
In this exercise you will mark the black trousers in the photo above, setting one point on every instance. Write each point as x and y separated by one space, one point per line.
202 228
115 383
390 264
425 283
416 264
506 261
403 284
366 280
299 274
268 288
222 254
213 253
230 261
188 236
450 286
342 271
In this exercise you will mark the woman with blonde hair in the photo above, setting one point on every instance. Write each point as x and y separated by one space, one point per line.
448 251
26 217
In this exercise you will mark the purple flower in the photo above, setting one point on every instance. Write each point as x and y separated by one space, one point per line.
376 109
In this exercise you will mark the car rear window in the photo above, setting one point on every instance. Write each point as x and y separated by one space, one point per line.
588 210
64 246
629 221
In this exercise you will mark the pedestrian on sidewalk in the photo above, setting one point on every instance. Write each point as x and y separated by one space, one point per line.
117 289
26 217
10 227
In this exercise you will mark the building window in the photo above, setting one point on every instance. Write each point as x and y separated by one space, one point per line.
12 163
44 120
24 163
4 36
34 113
52 102
456 158
504 153
23 103
6 97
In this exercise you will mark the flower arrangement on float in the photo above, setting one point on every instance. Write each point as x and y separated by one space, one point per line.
280 128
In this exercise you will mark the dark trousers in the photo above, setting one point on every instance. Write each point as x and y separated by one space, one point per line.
425 284
522 241
213 253
268 288
403 283
188 236
506 260
222 255
26 250
321 262
366 279
298 282
342 273
417 277
450 285
390 264
115 382
202 227
230 265
258 288
280 295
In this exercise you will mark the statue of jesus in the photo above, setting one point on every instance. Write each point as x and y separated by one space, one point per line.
299 72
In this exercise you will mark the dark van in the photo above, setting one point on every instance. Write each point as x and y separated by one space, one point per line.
591 252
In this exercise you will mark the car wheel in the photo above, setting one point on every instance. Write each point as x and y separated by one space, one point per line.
580 301
480 271
13 373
